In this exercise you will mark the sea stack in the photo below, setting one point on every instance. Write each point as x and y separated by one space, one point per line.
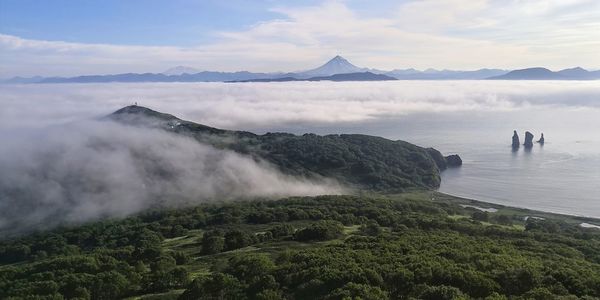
541 140
515 140
528 139
453 161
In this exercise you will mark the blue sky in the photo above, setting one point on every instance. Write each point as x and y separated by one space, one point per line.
145 22
129 22
63 37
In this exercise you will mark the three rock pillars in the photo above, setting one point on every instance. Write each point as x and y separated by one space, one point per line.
528 140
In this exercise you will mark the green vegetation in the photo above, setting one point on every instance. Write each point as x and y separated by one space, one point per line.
412 245
415 244
360 161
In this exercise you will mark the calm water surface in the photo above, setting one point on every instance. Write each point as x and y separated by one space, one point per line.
562 176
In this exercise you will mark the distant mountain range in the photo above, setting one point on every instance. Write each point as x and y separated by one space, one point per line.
545 74
358 76
336 69
206 76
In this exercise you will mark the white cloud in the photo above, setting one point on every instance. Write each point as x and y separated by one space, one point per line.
89 170
253 105
459 34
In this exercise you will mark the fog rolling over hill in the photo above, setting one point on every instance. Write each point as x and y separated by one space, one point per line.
89 170
137 159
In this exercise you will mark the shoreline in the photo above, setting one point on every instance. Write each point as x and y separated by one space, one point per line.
513 210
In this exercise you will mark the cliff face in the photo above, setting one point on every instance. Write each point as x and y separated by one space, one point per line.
358 160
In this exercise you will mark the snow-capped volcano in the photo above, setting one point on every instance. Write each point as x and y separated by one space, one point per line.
336 65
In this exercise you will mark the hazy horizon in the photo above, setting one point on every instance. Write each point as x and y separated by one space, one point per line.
62 38
316 65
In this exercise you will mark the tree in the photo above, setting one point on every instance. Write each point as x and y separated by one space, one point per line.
181 258
281 230
518 281
539 294
442 292
108 285
482 216
235 239
504 220
319 231
357 291
269 295
248 267
212 242
371 228
217 286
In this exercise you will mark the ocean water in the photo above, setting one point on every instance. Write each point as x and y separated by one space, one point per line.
474 119
562 176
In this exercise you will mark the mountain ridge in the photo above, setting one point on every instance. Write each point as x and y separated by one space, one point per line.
335 66
540 73
356 160
358 76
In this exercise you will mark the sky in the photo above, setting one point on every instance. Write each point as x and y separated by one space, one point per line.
68 38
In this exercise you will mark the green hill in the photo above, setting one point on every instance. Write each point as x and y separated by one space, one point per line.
360 161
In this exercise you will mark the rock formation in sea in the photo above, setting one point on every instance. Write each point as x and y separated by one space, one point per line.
528 139
541 140
515 140
453 161
442 162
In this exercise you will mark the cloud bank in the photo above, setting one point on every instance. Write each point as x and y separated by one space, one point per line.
258 105
89 170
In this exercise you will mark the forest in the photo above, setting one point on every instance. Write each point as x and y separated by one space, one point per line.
414 245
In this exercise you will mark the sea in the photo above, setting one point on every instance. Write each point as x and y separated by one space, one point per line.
474 119
560 176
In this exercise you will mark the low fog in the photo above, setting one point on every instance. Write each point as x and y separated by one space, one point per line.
88 170
259 105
